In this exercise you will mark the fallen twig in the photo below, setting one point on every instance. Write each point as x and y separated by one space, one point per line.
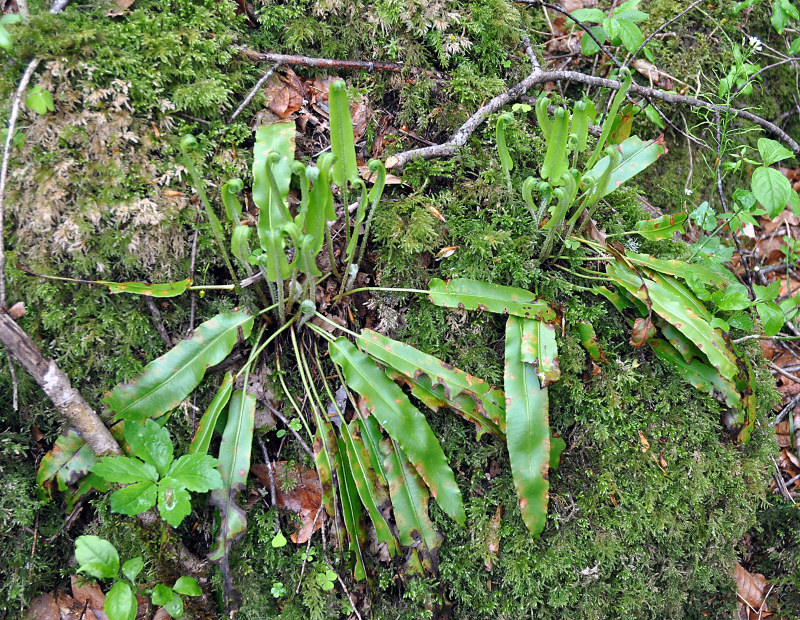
253 92
330 63
463 133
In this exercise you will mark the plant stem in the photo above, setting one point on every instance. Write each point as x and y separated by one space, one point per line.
256 352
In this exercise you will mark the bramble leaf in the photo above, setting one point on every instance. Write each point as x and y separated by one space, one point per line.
135 499
124 470
151 443
196 472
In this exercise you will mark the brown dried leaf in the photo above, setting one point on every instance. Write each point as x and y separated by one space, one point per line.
651 72
303 495
370 177
17 310
751 589
70 609
644 442
43 607
643 330
782 431
282 99
83 591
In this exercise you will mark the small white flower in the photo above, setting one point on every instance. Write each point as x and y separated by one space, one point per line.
688 191
755 43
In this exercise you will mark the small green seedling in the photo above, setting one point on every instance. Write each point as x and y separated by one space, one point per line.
98 557
154 476
39 100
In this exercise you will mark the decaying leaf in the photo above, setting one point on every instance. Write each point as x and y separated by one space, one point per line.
643 330
751 590
493 538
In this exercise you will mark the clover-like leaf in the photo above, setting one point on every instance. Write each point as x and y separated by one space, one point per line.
97 557
39 100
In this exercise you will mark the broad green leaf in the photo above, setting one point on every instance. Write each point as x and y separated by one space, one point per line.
557 446
207 424
68 461
588 45
767 293
234 457
187 586
120 602
273 155
632 15
196 472
174 503
629 32
772 317
374 495
10 18
779 18
345 167
733 297
403 422
595 16
320 204
135 498
677 305
161 594
663 227
681 269
124 470
476 295
372 436
132 568
527 430
772 152
613 29
175 606
637 155
772 189
167 289
351 510
169 379
97 557
410 504
539 349
439 384
151 443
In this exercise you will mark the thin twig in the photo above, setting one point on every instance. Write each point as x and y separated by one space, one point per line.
253 92
349 597
283 419
785 411
14 384
778 476
660 29
158 321
463 133
531 54
33 547
782 372
330 63
308 549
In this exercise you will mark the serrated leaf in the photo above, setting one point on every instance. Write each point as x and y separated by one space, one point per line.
345 167
476 295
637 155
69 460
120 602
374 495
187 586
135 499
151 443
410 504
124 470
207 424
663 227
351 510
132 568
403 422
771 189
439 384
169 379
528 430
539 349
629 32
166 289
97 557
772 317
196 472
234 463
174 503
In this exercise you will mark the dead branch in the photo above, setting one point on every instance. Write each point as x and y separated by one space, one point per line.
57 386
253 92
463 133
309 61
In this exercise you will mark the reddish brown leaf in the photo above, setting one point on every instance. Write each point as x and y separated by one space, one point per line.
17 310
43 607
751 590
83 591
643 330
282 99
70 609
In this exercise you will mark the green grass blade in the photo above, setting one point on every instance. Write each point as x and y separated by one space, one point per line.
351 510
410 503
345 168
403 422
207 424
527 430
371 489
475 295
234 463
166 381
439 384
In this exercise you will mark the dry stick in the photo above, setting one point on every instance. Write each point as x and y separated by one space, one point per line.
463 133
297 435
660 29
778 477
253 92
330 63
158 322
56 385
781 371
349 597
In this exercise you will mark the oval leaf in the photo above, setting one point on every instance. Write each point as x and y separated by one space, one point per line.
475 295
167 289
120 602
663 227
96 556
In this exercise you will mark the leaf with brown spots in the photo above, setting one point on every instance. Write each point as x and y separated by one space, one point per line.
476 295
